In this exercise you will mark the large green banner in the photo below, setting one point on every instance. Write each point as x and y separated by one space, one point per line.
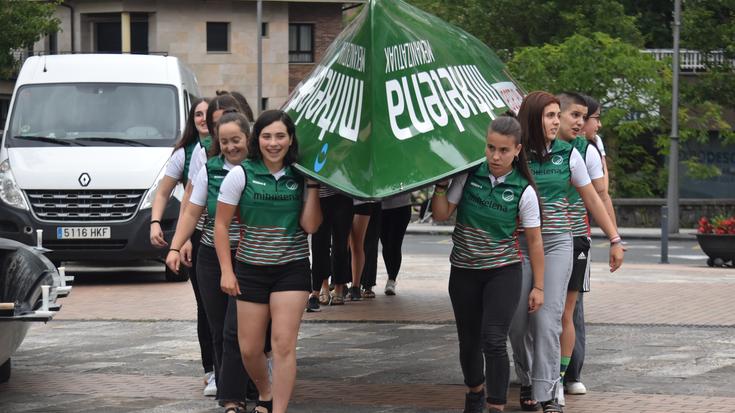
401 99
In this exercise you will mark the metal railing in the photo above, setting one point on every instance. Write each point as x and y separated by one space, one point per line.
692 60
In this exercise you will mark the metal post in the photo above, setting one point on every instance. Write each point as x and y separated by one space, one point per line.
664 234
672 200
259 87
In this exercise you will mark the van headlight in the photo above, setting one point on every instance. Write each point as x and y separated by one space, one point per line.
10 193
150 196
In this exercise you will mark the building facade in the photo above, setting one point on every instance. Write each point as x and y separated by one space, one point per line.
216 38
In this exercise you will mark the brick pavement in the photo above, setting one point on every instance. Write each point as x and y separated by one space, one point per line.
638 294
398 397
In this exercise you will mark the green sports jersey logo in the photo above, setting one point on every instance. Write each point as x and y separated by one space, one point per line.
508 195
292 185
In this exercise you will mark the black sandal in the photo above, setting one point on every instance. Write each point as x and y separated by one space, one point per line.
552 407
238 408
268 404
526 397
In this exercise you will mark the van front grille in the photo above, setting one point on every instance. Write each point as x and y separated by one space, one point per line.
85 205
84 245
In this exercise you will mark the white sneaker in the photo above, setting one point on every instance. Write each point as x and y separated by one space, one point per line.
390 287
560 395
211 389
575 387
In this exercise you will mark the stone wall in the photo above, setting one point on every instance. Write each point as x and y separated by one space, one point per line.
646 213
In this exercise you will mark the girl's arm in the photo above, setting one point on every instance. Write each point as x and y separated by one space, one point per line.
595 206
600 186
311 211
446 197
163 193
184 228
536 256
223 218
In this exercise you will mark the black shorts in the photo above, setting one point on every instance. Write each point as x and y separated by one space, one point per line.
257 282
365 209
580 263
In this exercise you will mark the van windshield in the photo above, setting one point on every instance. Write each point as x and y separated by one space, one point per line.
94 114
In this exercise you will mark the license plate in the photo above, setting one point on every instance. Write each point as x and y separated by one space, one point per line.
83 232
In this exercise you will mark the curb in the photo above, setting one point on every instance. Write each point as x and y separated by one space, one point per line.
627 233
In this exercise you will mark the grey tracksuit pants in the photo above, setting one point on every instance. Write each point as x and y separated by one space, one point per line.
535 337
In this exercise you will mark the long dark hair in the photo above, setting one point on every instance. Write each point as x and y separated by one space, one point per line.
265 119
191 134
225 103
230 116
530 116
592 105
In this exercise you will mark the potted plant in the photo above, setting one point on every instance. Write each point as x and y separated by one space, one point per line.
716 237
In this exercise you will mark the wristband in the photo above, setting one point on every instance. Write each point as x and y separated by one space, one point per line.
440 192
616 240
175 250
313 185
155 221
536 288
441 186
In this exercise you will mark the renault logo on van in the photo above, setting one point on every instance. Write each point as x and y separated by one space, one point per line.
84 179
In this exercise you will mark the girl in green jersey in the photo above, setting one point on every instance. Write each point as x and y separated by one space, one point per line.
557 167
271 277
177 171
492 201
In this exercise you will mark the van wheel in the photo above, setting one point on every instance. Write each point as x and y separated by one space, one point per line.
5 372
182 276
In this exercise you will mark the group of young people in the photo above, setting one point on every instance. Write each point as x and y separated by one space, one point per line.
242 231
345 248
519 261
521 250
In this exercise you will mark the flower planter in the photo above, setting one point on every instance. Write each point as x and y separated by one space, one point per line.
719 248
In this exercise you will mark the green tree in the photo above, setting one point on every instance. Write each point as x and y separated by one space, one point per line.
22 23
631 86
506 25
653 20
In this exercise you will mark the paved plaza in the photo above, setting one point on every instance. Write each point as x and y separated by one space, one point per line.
661 338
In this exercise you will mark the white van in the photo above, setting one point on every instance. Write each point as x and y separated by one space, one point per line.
85 144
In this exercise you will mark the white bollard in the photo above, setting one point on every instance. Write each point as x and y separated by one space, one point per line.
39 238
62 273
44 297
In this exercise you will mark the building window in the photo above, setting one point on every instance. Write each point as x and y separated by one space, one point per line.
218 36
301 43
108 33
263 104
264 29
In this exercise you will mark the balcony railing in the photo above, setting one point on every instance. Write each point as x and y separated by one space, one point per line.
692 60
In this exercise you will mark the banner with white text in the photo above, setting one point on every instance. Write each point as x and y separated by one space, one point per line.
400 100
